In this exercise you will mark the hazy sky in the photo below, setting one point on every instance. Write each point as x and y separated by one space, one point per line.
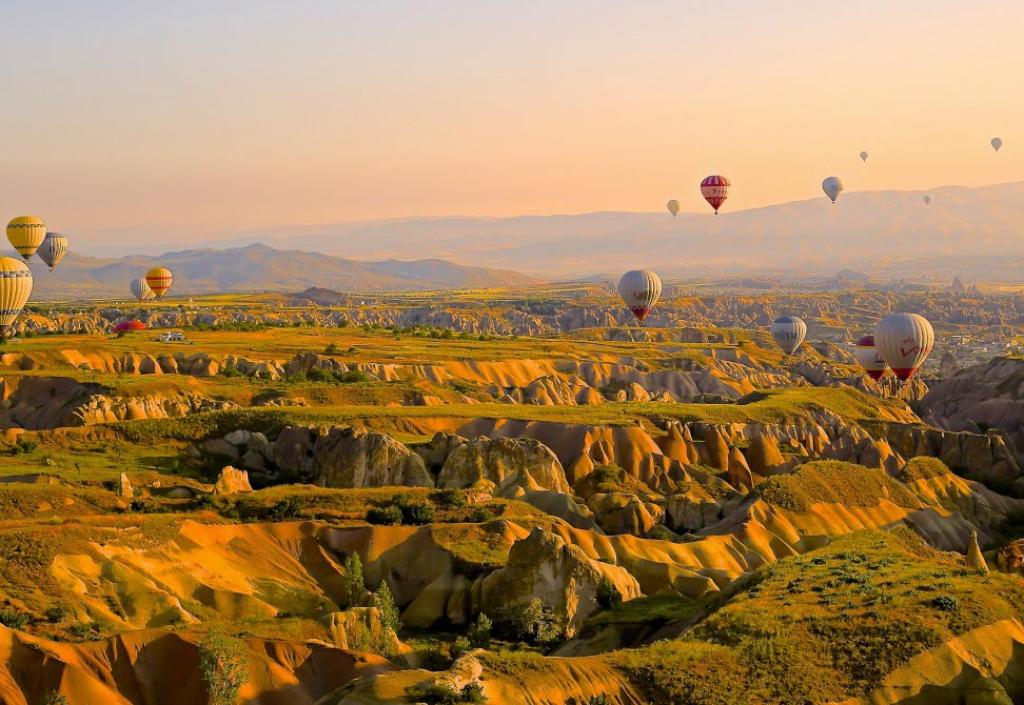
160 121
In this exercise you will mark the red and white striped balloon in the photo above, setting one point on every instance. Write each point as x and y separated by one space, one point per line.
715 190
869 358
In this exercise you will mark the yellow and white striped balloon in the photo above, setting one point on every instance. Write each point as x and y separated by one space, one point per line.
26 233
15 287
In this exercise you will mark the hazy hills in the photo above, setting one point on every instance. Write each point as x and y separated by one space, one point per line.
262 268
962 228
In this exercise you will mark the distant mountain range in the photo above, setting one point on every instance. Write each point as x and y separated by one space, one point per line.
261 268
889 233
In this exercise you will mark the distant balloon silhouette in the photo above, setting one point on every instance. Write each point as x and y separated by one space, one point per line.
927 200
832 187
673 207
863 156
997 143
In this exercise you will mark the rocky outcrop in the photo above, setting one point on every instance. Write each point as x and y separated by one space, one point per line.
510 464
231 481
351 457
560 575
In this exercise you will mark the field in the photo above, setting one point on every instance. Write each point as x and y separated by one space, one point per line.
514 484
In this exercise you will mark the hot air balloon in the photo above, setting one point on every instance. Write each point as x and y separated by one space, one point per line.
159 280
130 326
789 332
53 249
15 287
640 290
25 234
140 289
832 187
715 190
673 207
927 200
863 156
904 340
869 358
997 143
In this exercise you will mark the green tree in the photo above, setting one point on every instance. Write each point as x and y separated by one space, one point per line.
223 666
355 584
385 603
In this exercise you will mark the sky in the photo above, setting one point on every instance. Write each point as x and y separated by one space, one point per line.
133 124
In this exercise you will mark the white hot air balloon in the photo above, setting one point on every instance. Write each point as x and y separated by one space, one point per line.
863 156
789 332
140 289
640 290
997 142
673 207
53 249
904 340
869 358
832 187
927 200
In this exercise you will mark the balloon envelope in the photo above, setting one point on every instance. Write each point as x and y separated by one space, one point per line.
832 187
140 289
640 290
160 280
15 287
869 358
26 233
129 326
715 190
673 207
53 249
789 332
927 200
904 340
997 143
863 156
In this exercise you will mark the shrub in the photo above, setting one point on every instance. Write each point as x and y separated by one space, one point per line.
223 667
201 501
608 595
386 516
416 512
86 630
13 619
24 445
56 613
479 632
54 698
316 374
460 646
945 603
449 498
532 622
473 693
287 508
353 377
332 349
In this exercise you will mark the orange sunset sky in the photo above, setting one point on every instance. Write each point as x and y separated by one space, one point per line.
190 121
